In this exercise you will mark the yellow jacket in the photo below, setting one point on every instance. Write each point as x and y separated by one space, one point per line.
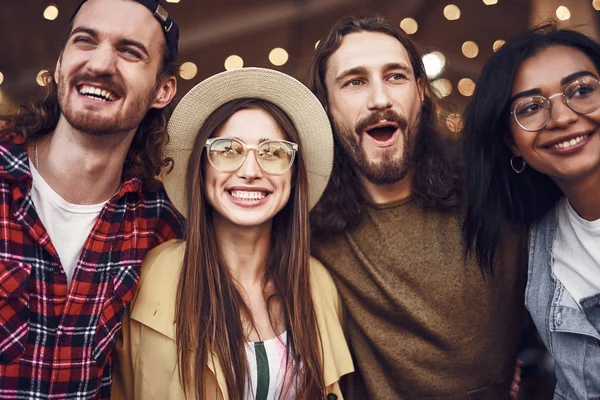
145 363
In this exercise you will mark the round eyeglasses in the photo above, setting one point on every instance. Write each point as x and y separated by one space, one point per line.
273 156
534 112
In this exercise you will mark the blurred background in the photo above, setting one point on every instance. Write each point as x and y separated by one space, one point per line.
456 36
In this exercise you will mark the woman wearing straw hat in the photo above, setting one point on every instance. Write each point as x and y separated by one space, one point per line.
239 310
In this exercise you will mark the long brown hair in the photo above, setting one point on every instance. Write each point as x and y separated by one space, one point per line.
145 157
436 181
209 308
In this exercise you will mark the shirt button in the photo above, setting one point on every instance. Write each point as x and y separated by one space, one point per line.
332 396
56 270
62 337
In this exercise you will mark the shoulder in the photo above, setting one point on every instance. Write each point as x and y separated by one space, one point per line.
154 304
13 160
336 355
320 278
160 213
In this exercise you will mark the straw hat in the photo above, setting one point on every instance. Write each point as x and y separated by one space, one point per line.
301 106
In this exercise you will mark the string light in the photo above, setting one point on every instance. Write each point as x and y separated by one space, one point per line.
188 70
317 44
434 64
43 78
51 12
409 26
563 13
490 2
278 56
234 62
1 78
454 122
442 87
596 5
451 12
466 87
497 44
470 49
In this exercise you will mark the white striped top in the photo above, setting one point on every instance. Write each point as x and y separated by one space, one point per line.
266 361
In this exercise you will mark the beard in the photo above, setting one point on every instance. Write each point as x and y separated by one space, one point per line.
125 120
391 168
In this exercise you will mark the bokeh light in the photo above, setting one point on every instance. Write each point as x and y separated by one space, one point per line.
278 56
188 70
234 62
51 13
451 12
470 49
409 26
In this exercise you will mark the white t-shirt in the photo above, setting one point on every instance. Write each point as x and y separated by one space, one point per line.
267 363
68 225
577 252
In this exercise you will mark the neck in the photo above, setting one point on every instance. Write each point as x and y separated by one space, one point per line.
244 250
584 195
383 194
82 168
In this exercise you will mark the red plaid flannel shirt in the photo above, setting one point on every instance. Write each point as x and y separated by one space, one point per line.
55 340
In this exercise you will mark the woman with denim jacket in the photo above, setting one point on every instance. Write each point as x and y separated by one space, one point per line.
533 149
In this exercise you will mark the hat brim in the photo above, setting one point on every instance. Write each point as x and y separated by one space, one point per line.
295 99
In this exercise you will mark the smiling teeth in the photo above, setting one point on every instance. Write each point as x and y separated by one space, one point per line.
97 93
244 195
569 143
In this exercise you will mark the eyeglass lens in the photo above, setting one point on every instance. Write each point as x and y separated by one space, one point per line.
582 96
273 156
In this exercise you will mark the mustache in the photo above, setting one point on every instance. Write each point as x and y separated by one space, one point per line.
375 117
107 82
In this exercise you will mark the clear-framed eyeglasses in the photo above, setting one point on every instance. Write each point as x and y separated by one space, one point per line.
273 156
533 113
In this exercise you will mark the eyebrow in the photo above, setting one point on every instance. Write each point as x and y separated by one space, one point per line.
363 70
121 42
563 81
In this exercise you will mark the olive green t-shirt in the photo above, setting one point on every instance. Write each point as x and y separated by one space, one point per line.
421 322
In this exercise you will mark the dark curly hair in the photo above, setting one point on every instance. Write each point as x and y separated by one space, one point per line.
436 181
145 157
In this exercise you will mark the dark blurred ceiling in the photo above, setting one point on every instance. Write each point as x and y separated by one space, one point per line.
211 31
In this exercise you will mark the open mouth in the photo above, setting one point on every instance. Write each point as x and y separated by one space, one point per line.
569 143
97 93
247 195
382 132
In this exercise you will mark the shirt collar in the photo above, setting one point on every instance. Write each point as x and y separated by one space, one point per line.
14 167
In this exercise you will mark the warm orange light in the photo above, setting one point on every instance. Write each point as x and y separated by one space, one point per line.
497 44
188 70
454 122
234 62
563 13
42 78
51 12
466 87
278 56
442 87
409 26
451 12
470 49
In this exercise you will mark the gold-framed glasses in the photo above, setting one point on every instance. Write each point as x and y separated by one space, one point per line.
273 156
533 113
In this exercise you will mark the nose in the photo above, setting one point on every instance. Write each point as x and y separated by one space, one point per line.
102 60
379 98
250 170
561 115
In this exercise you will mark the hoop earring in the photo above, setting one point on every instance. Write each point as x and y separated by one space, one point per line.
520 169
